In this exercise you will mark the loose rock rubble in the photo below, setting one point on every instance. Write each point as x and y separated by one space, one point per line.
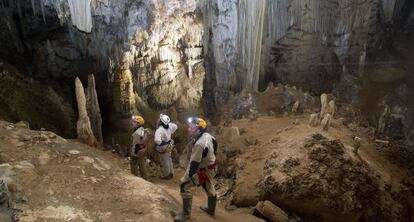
329 183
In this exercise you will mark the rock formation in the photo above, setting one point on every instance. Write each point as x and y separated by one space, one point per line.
383 120
331 108
5 198
284 98
324 105
295 107
326 121
314 119
271 212
34 102
197 52
93 110
329 177
83 126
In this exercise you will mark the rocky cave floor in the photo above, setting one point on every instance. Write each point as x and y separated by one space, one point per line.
311 174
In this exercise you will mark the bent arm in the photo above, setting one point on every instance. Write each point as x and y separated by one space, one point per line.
157 137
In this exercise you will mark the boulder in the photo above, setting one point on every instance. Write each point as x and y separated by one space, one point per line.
271 212
22 124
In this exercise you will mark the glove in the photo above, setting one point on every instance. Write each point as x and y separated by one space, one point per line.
185 178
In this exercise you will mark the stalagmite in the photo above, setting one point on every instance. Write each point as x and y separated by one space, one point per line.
313 121
324 105
83 126
93 109
331 108
357 144
382 122
362 58
295 107
326 122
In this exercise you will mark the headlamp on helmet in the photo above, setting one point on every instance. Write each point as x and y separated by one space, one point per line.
198 122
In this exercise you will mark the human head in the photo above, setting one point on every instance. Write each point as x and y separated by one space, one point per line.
164 120
139 120
196 126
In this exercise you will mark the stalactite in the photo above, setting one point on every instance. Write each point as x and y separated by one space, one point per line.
20 12
123 95
33 7
388 7
81 16
42 6
250 36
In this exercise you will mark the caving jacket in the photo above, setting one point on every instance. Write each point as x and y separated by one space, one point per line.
202 154
137 139
162 136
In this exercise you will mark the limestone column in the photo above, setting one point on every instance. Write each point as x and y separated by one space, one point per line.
83 126
92 106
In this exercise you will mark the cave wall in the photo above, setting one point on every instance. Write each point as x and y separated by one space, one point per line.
180 54
247 42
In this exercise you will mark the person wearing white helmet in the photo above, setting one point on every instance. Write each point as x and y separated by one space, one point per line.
164 145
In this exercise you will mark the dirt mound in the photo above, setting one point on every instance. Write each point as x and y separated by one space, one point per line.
53 179
327 183
311 173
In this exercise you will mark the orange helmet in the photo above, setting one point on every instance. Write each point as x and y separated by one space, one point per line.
198 121
138 119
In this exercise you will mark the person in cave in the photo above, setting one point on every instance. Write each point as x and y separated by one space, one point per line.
165 145
201 170
138 152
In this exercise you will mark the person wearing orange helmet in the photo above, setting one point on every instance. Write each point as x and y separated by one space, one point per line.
138 152
201 169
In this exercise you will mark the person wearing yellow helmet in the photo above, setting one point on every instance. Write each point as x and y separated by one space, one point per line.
138 152
201 169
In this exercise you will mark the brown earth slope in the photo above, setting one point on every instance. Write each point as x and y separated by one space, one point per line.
315 174
53 179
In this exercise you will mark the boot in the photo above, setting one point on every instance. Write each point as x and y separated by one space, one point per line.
185 214
211 208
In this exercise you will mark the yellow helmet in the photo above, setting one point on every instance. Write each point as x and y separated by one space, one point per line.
138 119
198 121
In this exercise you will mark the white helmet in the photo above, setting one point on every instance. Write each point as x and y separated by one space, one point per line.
165 119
